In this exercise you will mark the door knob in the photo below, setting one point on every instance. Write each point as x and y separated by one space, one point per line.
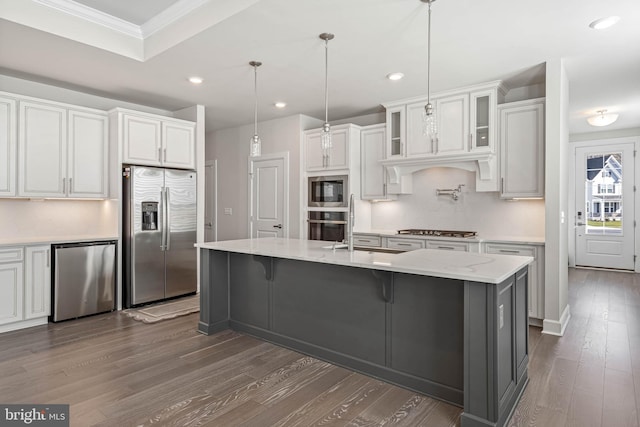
277 226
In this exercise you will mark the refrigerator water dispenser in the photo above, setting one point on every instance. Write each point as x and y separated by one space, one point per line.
149 215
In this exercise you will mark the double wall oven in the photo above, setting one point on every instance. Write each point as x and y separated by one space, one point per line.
328 197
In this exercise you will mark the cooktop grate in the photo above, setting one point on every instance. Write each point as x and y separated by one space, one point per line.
438 233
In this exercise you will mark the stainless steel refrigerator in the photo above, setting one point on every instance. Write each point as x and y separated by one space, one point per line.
159 233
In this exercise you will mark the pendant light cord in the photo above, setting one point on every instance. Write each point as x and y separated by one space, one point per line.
326 81
255 90
429 57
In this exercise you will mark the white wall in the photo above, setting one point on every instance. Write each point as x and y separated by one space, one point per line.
231 148
485 213
57 218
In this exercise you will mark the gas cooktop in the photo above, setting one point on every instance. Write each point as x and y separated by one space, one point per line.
439 233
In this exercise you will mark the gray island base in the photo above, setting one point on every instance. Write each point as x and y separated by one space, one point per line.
416 319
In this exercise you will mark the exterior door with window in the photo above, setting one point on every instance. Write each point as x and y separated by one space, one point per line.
605 206
269 193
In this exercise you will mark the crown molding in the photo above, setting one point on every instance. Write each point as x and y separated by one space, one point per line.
173 13
95 16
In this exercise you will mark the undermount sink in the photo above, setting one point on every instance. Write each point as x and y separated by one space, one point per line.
363 249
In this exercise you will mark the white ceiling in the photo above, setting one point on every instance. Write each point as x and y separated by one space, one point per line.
472 41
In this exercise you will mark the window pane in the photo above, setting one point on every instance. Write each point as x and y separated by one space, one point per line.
603 193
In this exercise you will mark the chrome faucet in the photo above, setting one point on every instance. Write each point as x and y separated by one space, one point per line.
352 217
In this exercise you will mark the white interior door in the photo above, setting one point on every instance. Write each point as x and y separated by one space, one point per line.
269 196
604 190
210 201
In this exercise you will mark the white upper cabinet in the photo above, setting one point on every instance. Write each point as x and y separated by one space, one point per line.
522 149
141 139
453 124
418 144
337 157
178 145
62 151
88 155
42 150
396 131
452 114
482 121
156 140
373 180
8 146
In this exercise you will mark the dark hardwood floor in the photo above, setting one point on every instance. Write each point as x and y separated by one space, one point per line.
115 371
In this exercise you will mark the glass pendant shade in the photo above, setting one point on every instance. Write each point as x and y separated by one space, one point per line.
429 122
325 138
256 146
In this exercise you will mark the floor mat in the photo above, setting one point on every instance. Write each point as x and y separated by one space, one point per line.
165 310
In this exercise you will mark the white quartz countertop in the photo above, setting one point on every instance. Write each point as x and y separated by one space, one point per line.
46 240
486 268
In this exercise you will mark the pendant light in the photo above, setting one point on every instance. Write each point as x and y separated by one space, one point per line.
325 141
429 122
256 144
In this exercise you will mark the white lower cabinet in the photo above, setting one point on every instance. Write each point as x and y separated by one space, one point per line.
11 285
25 286
37 289
536 271
404 244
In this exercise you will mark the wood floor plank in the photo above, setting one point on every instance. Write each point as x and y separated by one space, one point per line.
353 405
382 409
619 405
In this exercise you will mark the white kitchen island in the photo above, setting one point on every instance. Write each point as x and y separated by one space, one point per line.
452 325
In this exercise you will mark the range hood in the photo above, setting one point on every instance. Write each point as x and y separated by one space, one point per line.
400 170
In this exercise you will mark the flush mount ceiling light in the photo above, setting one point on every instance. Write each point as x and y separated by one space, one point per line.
602 23
325 141
602 119
280 104
196 80
255 139
429 122
395 76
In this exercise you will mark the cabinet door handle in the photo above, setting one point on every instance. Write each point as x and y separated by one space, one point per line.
470 140
64 185
165 154
403 244
502 185
47 258
70 185
159 154
384 189
507 251
450 248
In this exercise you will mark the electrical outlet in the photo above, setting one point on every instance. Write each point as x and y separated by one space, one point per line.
501 309
228 211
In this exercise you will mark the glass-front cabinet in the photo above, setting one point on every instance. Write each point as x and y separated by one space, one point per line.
482 121
396 131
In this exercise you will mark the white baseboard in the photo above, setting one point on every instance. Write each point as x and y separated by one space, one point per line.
557 327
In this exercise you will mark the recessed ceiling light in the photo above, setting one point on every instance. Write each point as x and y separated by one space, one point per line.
196 80
602 23
602 119
280 104
395 76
